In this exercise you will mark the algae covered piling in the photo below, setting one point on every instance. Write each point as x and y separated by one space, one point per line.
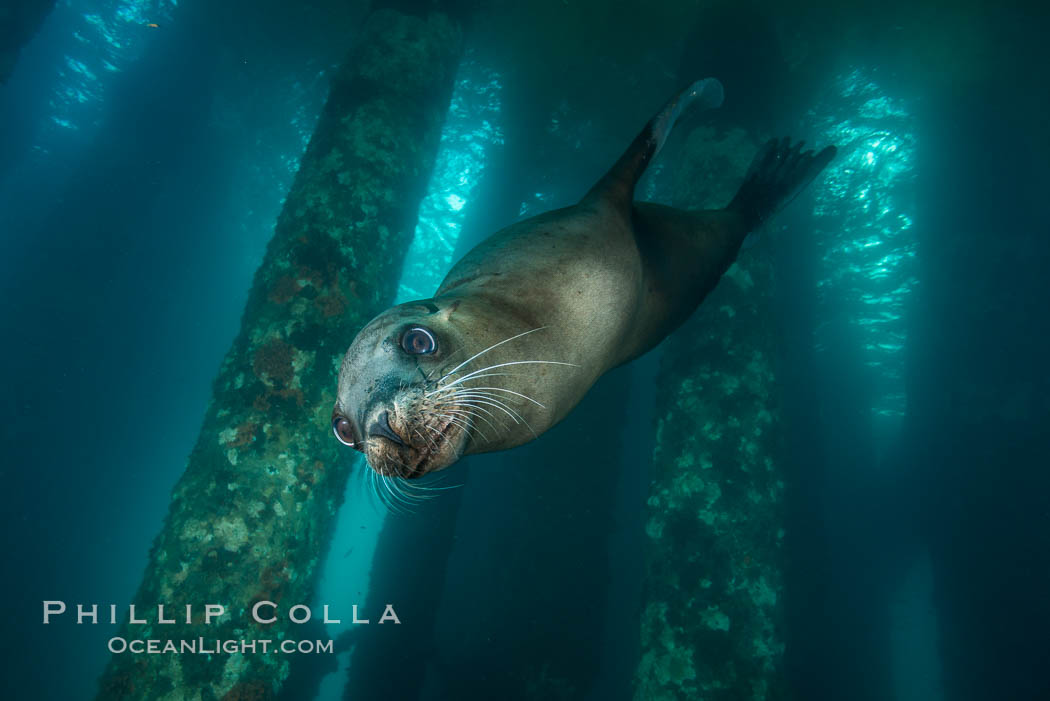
251 517
710 617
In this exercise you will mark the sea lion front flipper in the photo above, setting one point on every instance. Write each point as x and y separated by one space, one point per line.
617 185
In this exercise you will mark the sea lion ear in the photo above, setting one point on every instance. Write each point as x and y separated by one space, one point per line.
446 313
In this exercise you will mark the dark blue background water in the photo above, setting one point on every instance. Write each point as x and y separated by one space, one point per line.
141 170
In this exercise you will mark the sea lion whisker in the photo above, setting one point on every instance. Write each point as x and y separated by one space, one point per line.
503 365
378 491
473 414
397 498
494 345
476 401
454 403
432 481
518 418
477 396
492 374
414 497
493 396
391 501
432 489
507 408
450 356
368 475
383 498
425 423
439 435
453 409
438 390
393 477
431 428
425 439
465 413
412 489
508 391
405 502
405 466
375 477
469 429
464 424
401 486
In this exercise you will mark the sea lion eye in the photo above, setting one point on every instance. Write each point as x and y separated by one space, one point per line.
343 430
418 341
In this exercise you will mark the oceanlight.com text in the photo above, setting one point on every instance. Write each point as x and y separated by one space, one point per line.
212 646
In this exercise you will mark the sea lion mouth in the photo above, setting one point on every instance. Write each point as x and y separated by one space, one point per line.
439 439
381 427
413 449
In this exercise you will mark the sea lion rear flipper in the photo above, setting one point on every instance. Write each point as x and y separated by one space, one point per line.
778 173
618 184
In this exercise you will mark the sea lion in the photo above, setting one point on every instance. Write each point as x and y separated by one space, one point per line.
529 319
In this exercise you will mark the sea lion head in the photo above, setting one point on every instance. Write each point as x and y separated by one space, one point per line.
386 406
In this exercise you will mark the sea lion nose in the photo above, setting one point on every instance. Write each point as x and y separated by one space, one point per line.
381 427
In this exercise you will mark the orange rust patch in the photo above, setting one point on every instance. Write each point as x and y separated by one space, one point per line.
245 435
305 476
296 394
273 581
273 360
310 474
331 305
312 276
284 289
263 403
